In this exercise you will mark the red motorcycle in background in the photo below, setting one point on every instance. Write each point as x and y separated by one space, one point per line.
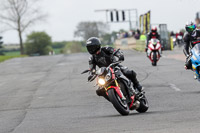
154 51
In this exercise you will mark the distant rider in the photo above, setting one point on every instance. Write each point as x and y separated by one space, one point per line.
153 34
103 57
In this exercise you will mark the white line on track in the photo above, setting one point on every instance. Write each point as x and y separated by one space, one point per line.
173 86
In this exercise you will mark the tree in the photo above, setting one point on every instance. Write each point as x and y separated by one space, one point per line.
86 30
109 38
1 46
19 15
38 43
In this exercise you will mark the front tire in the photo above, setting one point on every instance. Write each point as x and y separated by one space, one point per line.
120 106
154 59
144 105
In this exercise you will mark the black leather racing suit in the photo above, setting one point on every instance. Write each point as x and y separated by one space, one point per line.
105 58
190 41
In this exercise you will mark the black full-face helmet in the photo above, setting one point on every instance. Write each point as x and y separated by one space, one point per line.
93 45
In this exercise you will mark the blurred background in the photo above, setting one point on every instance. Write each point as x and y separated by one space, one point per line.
43 27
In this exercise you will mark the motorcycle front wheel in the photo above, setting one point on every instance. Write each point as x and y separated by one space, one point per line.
120 105
154 59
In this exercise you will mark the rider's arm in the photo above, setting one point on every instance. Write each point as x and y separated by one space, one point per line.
119 56
92 65
148 38
92 68
158 36
186 44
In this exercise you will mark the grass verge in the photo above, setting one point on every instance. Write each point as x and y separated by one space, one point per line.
7 57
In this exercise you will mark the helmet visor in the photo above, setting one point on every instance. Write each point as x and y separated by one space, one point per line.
92 49
190 28
153 30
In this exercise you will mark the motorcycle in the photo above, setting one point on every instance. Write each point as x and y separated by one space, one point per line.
195 59
115 87
154 51
179 41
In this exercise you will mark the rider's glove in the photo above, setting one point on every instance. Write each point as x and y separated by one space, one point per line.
114 59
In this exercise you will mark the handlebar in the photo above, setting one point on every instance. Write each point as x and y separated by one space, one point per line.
116 51
114 64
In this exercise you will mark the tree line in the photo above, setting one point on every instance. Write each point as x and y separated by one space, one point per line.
20 15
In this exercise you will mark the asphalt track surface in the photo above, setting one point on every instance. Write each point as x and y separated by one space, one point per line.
48 95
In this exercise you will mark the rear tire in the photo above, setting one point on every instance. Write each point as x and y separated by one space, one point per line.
144 105
120 106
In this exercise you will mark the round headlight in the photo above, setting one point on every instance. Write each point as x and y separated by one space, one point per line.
101 81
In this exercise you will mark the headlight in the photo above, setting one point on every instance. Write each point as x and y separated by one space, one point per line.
101 81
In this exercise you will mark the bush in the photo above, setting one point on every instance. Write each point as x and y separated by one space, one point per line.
59 44
73 47
38 43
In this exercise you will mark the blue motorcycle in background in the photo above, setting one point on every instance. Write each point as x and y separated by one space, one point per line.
195 59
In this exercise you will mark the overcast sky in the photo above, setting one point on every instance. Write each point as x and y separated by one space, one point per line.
64 15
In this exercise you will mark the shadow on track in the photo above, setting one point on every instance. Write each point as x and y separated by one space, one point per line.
193 92
131 114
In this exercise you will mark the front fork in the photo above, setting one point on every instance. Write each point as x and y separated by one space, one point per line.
121 95
158 55
117 89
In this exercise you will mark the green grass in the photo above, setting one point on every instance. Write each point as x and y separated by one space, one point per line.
10 55
13 53
140 45
7 57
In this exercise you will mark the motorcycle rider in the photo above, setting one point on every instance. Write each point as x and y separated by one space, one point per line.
190 38
152 34
103 57
179 36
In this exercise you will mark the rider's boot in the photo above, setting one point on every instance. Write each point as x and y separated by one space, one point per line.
195 76
188 64
139 87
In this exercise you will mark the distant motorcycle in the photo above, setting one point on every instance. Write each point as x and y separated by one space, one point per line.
195 59
179 41
173 40
114 86
154 51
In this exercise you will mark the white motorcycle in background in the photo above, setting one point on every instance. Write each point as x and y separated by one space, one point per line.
154 51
